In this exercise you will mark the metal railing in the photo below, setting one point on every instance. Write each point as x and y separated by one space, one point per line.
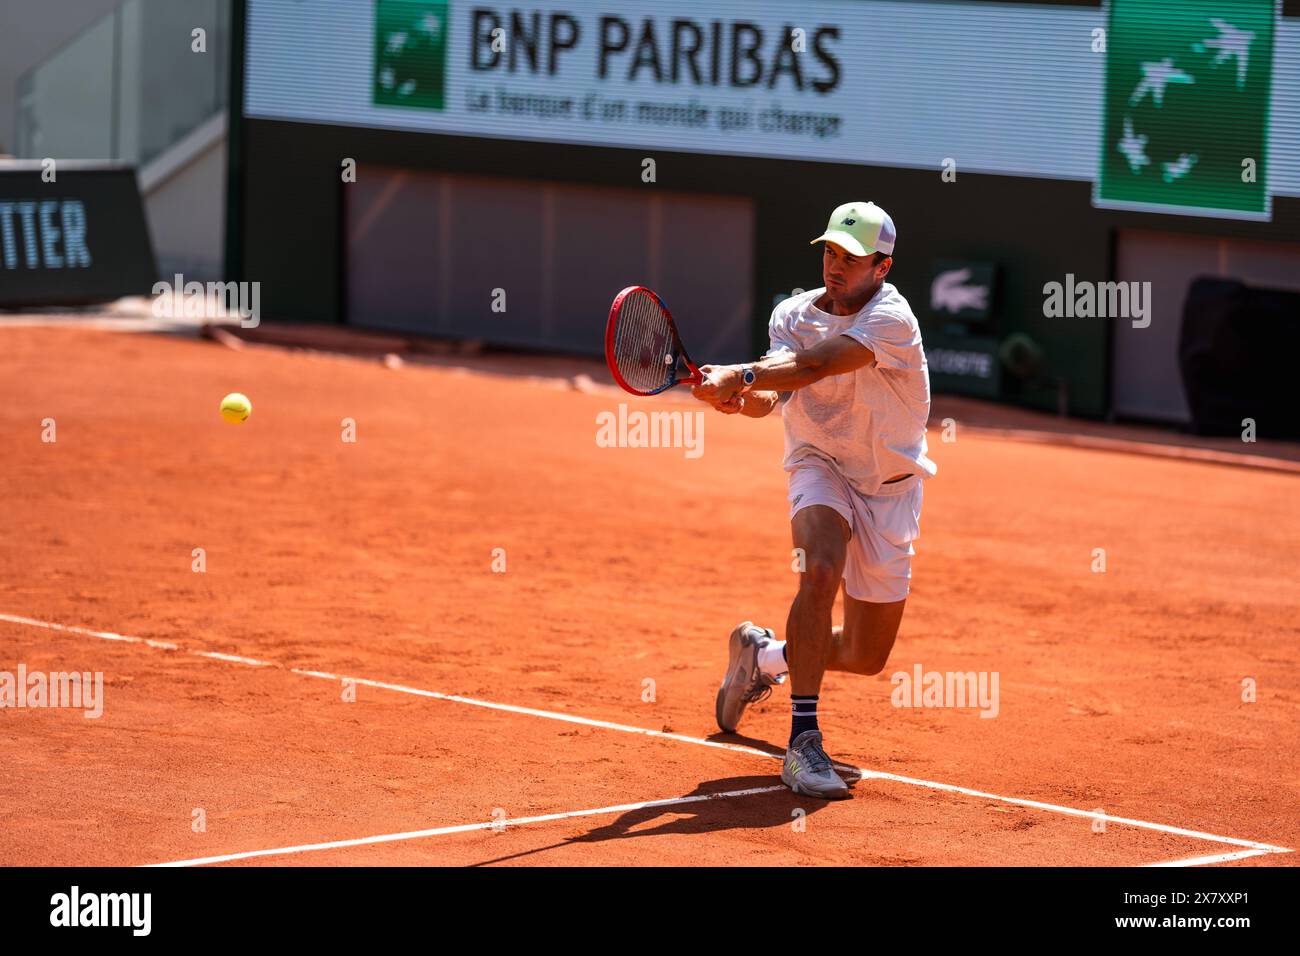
130 85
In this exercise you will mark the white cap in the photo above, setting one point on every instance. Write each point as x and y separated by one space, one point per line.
861 228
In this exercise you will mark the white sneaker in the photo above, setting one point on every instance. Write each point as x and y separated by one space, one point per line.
745 683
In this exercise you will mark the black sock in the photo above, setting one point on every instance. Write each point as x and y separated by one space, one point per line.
803 715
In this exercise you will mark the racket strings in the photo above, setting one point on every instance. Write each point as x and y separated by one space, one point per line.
645 347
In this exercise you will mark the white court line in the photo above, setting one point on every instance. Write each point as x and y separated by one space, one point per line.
102 635
533 712
629 728
233 658
865 772
1071 811
1218 858
468 827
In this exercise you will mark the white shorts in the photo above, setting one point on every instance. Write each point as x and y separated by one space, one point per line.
883 526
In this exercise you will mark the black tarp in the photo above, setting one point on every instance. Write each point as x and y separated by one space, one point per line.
1239 354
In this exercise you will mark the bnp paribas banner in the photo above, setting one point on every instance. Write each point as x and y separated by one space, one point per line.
1189 86
1157 102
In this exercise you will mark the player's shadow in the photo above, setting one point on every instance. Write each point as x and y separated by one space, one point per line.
850 774
774 806
740 739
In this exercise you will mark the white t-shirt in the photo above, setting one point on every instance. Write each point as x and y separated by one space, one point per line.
870 422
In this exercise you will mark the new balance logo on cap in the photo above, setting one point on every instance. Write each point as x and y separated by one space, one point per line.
860 228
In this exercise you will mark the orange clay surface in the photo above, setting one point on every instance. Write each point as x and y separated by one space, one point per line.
1120 692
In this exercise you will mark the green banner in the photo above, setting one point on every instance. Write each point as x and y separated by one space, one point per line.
1188 85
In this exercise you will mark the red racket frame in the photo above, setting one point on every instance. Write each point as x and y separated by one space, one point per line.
694 378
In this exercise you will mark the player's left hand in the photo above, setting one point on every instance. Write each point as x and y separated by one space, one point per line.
721 384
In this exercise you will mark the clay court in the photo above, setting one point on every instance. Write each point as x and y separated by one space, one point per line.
502 718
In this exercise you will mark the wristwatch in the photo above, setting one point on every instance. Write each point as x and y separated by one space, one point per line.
747 375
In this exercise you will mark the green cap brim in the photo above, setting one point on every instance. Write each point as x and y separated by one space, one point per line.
847 242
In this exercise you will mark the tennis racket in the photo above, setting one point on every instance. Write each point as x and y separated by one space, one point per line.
642 347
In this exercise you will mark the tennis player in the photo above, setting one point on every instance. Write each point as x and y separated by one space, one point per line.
850 353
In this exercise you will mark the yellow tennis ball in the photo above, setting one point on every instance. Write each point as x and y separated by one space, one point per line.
235 408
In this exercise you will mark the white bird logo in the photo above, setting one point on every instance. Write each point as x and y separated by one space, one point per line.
1155 77
1230 42
1134 148
1180 168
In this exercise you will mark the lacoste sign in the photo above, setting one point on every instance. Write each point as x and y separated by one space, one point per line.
1188 90
961 290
